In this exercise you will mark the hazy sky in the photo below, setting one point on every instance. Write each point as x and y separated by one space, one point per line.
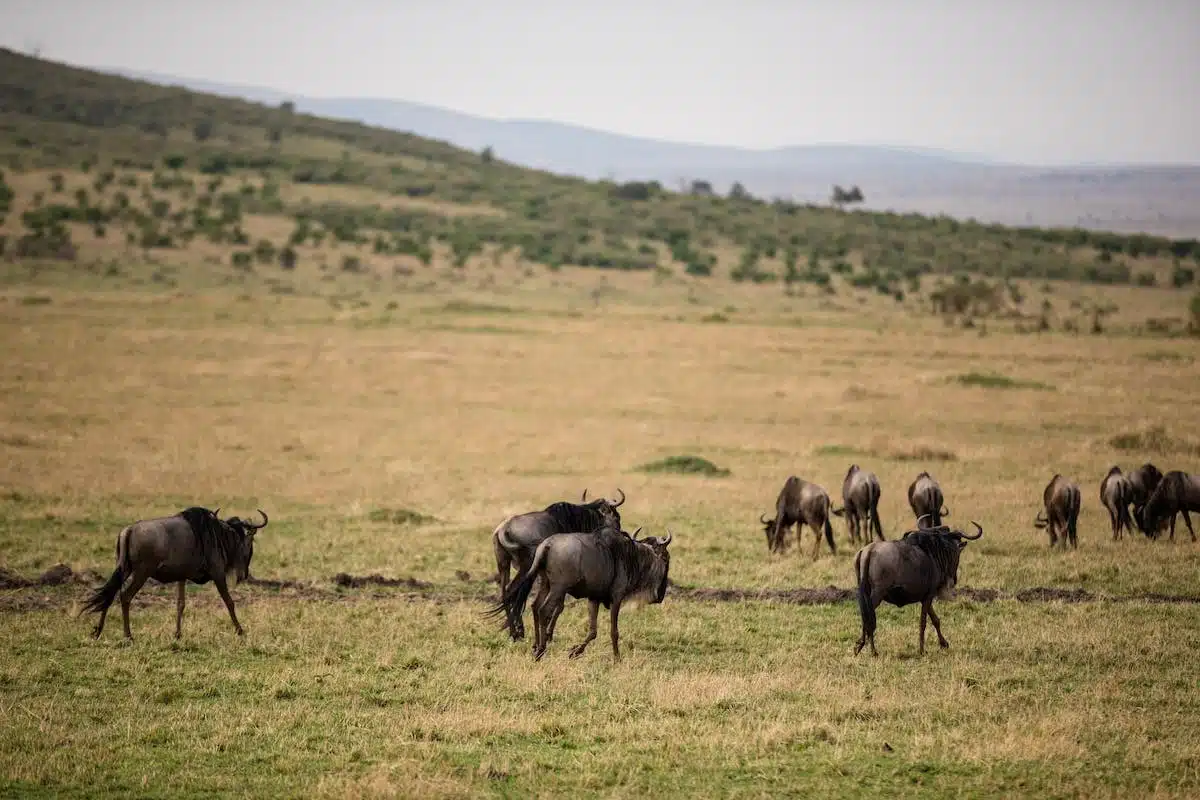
1041 81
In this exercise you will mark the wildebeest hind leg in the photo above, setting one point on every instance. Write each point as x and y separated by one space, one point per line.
816 543
937 626
135 585
223 590
593 612
538 610
554 607
921 636
180 597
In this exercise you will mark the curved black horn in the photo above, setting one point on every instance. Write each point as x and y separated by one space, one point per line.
923 516
762 518
667 540
583 499
264 522
635 533
945 511
978 527
622 500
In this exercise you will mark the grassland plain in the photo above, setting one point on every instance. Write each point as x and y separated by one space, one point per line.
341 421
387 344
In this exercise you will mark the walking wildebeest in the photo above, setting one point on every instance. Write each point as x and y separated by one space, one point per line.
517 537
1062 500
194 545
800 503
1143 480
1178 493
606 567
917 568
860 505
925 499
1116 493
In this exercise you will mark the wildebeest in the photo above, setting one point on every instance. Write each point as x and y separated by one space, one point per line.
1178 492
1143 480
194 545
800 503
606 567
925 499
860 505
1116 494
517 537
917 568
1060 517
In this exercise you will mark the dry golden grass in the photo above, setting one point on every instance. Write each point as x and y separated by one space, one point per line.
467 395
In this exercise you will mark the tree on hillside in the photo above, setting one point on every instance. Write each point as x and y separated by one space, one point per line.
738 192
487 155
202 131
703 188
843 197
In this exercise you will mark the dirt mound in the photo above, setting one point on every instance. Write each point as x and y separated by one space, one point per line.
1049 593
57 575
358 581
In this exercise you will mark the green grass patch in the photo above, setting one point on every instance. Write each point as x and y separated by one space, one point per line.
685 465
400 516
994 380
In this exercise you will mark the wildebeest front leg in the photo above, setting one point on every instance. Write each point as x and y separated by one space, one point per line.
1188 521
613 612
921 637
180 597
135 585
223 590
593 613
937 625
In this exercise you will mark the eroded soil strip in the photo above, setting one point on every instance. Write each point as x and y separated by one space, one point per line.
484 590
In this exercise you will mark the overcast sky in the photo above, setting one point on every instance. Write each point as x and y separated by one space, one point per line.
1047 81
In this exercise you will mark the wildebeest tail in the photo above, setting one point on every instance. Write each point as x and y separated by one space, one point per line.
103 597
862 572
829 535
512 605
1073 521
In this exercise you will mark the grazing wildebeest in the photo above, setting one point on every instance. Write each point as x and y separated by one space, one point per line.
1143 480
919 567
925 499
1062 500
860 505
1177 493
606 567
1116 493
800 503
194 545
517 537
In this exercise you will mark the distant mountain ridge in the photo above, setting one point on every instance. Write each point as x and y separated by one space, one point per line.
1163 199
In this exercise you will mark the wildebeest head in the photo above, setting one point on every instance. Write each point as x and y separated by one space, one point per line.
246 531
944 545
659 545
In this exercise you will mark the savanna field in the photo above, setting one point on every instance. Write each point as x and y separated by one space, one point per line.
388 412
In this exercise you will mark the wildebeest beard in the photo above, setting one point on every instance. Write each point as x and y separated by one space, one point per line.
572 517
214 540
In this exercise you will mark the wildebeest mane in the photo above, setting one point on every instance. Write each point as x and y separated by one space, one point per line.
943 548
638 562
576 518
216 542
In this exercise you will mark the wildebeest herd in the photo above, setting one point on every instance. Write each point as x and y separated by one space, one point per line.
580 549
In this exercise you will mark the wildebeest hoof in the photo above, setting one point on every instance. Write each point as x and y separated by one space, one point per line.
943 645
241 632
96 632
576 652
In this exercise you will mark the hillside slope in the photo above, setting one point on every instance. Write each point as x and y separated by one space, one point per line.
170 167
1157 199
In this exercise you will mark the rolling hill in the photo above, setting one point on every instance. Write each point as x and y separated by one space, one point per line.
112 173
1162 199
